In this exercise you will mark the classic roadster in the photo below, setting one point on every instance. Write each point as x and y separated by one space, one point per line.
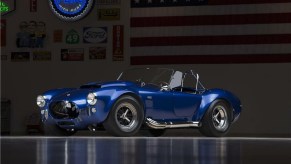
154 99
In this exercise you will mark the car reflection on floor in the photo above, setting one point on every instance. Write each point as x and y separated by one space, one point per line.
144 150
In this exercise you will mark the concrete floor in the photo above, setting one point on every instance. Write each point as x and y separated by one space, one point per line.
144 150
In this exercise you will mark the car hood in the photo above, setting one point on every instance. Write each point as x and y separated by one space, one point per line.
79 95
107 84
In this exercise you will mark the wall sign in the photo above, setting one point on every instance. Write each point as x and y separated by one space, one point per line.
72 37
71 10
118 43
95 35
96 53
7 6
72 54
3 32
33 5
41 56
109 14
108 2
58 36
32 34
20 56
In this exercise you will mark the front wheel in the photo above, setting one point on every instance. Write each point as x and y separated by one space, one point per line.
125 118
217 119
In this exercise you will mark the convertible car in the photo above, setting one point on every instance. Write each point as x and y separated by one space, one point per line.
154 99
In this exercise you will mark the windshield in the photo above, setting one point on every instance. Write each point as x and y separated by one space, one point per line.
147 75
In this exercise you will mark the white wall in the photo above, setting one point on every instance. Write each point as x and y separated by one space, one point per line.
263 88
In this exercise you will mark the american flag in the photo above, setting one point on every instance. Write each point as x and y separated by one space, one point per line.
210 31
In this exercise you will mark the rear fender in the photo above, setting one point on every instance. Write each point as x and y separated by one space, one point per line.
210 96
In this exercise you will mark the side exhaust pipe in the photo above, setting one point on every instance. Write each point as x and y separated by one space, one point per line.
157 125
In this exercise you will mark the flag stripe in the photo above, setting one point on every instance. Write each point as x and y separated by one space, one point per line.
212 50
211 20
211 59
210 31
167 3
210 40
212 10
231 2
248 29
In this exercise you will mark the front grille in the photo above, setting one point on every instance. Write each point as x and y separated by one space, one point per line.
63 110
66 123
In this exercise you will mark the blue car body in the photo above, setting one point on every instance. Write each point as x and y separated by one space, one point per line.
160 105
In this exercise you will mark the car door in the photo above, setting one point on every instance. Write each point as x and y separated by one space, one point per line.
186 104
186 99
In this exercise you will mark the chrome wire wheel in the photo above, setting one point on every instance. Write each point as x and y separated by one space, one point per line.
220 118
126 117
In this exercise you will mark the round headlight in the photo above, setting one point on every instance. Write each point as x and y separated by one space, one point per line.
40 101
91 99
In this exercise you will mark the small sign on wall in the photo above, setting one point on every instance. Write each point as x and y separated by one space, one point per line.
109 14
108 2
96 53
42 56
20 56
72 37
72 54
95 35
58 36
7 6
33 5
118 43
3 32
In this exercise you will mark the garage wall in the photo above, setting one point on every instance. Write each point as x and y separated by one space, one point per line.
263 88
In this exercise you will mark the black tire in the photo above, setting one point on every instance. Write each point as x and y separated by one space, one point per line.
156 132
217 119
54 130
125 117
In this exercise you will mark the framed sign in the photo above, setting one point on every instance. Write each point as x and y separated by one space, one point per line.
3 32
118 43
108 2
20 56
72 54
71 10
95 34
109 14
42 56
7 6
96 53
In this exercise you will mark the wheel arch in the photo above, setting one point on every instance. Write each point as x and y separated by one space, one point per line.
118 95
210 98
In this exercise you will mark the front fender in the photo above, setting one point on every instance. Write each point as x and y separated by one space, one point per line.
107 97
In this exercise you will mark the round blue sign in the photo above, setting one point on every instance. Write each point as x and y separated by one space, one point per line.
71 10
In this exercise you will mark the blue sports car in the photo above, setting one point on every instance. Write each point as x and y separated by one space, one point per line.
154 99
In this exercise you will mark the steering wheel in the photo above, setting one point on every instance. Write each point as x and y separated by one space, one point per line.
141 82
163 83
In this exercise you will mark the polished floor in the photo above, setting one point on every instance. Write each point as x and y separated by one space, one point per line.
144 150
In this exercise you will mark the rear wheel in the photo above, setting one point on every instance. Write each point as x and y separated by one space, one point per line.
125 118
216 121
